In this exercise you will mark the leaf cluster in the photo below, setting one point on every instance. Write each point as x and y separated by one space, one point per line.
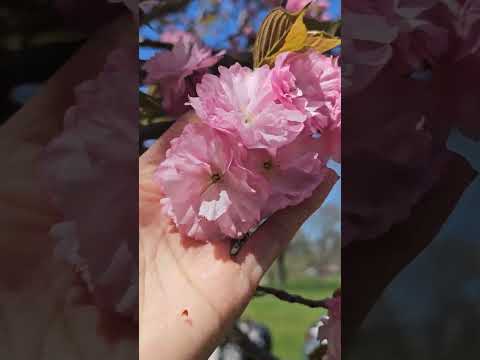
282 31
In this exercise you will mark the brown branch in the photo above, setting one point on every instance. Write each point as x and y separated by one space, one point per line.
291 298
237 244
156 44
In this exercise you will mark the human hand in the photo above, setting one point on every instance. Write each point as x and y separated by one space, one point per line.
191 292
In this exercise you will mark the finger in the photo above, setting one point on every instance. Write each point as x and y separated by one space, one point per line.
272 238
42 117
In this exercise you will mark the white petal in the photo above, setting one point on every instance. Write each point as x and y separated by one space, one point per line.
212 210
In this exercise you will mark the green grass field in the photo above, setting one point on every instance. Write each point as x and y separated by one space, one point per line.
288 323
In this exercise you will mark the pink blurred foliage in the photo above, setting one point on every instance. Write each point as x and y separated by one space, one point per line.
90 172
393 165
397 32
413 59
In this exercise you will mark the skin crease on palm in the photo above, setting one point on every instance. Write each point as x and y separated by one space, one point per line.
190 293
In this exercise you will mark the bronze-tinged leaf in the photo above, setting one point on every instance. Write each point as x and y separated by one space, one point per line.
329 27
272 34
322 42
296 36
282 31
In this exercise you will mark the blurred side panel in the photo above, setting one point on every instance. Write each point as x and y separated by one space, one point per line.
410 157
69 190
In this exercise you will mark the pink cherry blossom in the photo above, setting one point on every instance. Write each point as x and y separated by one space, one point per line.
296 5
175 72
318 8
293 173
331 329
172 35
284 85
242 102
208 193
310 82
90 172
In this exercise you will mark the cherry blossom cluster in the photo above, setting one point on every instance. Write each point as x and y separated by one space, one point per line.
175 73
261 143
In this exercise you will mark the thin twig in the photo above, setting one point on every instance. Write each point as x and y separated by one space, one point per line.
292 298
237 244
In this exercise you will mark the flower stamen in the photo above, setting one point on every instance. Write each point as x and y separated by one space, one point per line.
216 178
267 165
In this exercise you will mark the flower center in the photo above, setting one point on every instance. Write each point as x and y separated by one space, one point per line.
247 116
216 178
248 119
267 165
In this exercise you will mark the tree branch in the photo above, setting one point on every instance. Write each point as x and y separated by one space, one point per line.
156 44
291 298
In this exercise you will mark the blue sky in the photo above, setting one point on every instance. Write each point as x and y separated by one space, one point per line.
220 30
